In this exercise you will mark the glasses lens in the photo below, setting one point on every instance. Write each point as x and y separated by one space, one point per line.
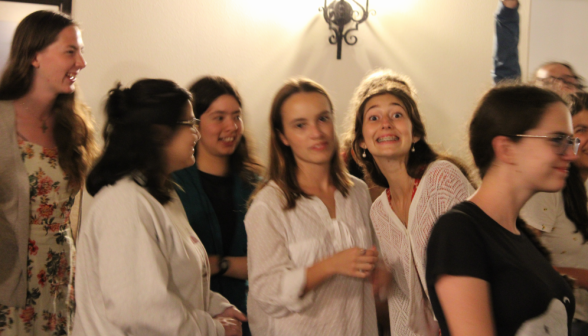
576 144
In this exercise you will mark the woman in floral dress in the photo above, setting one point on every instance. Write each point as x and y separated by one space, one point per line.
47 145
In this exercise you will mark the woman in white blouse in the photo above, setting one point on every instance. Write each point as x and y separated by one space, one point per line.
311 248
388 141
141 268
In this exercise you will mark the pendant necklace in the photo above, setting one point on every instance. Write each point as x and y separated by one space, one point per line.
44 126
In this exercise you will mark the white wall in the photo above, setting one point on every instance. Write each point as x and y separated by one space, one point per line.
444 46
559 32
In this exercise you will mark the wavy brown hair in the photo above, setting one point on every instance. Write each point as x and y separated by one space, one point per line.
73 130
204 92
282 167
383 82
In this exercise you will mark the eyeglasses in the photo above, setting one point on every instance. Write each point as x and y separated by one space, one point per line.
570 81
561 142
194 123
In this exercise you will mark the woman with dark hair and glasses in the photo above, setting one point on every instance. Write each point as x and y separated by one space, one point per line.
47 145
485 272
215 190
561 219
141 268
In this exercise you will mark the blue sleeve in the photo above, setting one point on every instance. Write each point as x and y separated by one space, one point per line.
506 41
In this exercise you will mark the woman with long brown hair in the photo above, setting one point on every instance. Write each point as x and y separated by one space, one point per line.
311 246
388 139
215 190
47 146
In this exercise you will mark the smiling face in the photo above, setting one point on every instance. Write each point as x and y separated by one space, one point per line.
307 119
536 160
387 129
221 127
57 66
179 151
580 122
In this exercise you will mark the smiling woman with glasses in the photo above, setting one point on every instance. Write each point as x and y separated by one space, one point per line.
561 219
485 272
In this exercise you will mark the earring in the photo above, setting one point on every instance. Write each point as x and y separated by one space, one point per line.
363 155
412 149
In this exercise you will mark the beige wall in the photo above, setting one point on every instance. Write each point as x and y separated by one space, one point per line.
558 32
444 46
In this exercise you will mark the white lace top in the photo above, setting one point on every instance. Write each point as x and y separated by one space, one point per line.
283 244
403 248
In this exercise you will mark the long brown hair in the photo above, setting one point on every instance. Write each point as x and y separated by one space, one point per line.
282 167
204 92
387 82
73 130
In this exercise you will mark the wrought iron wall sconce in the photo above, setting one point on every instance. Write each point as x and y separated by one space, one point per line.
338 14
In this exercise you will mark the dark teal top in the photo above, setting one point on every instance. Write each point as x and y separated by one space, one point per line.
203 220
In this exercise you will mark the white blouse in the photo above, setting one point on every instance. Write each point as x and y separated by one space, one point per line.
403 248
283 244
546 212
141 269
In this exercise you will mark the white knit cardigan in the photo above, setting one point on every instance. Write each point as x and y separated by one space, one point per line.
403 248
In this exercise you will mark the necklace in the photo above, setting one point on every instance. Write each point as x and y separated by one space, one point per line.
43 121
414 189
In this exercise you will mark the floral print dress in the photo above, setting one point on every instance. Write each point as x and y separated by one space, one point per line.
50 300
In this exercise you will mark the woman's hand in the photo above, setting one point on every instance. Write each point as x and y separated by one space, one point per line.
510 3
233 312
381 280
231 319
355 262
231 325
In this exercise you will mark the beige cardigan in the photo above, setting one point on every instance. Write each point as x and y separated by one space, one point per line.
14 213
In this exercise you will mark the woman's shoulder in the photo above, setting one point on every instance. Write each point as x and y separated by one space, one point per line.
444 172
269 194
122 194
462 218
442 166
359 186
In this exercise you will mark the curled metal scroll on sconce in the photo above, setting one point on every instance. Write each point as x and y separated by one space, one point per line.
338 14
